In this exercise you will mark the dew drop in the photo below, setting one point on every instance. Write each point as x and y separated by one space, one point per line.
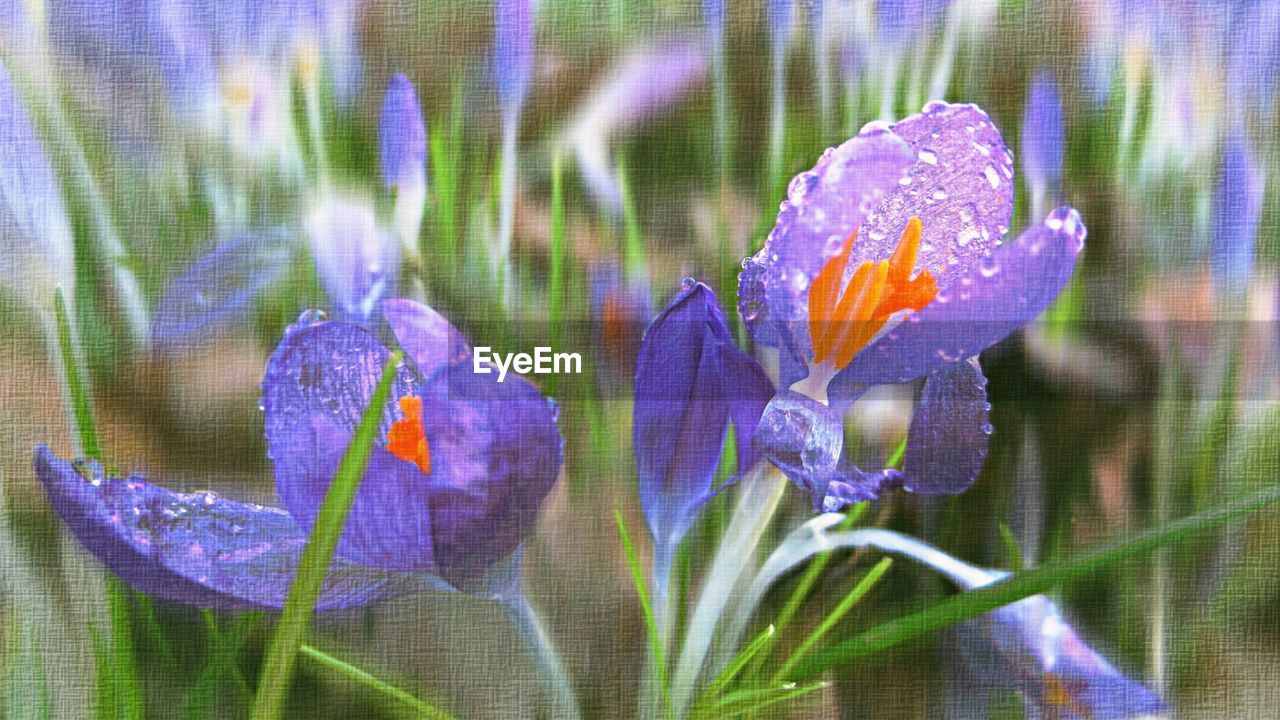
989 266
928 156
992 177
311 316
687 283
987 429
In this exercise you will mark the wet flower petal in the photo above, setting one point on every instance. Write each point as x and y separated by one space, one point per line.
689 382
402 136
355 259
1028 647
947 442
427 337
219 287
1237 210
196 547
823 206
804 439
1003 292
36 252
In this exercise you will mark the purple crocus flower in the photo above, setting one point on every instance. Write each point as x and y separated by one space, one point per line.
1029 648
454 484
885 267
402 136
691 381
1237 210
355 259
513 50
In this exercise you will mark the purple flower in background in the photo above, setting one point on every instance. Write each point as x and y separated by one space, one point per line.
1234 219
645 82
1043 141
691 381
1029 648
36 250
513 25
454 484
402 137
884 267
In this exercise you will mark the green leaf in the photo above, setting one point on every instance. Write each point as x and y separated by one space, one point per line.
81 407
318 554
650 622
735 666
1011 548
1025 584
746 701
420 707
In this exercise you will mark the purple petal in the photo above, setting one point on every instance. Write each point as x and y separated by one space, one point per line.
804 439
427 337
36 252
496 453
1237 209
947 442
198 548
1005 291
513 50
781 17
680 414
713 18
218 288
748 390
1043 136
402 136
646 81
823 206
355 260
1028 647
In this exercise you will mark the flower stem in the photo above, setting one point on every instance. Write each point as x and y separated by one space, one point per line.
558 688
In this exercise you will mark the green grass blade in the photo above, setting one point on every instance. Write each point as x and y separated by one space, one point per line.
833 618
735 665
650 622
633 237
556 282
1011 548
81 407
316 557
420 707
971 604
126 671
747 701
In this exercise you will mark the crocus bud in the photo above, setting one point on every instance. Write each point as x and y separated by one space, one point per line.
402 139
1043 141
690 382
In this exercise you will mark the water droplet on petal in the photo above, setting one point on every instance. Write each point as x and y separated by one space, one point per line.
928 156
989 266
312 316
687 283
987 428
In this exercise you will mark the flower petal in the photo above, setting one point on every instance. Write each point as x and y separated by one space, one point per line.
427 337
947 442
804 439
1237 209
218 288
496 453
317 386
1028 647
1043 137
513 50
823 206
198 548
1005 291
402 136
961 188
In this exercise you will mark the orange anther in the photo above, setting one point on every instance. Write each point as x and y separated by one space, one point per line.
406 439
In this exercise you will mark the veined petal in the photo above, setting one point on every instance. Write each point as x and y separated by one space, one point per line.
947 442
219 287
402 136
36 253
430 341
356 260
1237 210
198 548
823 206
1005 291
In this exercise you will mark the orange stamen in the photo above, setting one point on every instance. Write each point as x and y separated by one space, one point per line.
841 325
406 439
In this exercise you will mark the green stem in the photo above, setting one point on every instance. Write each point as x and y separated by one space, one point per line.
421 707
316 557
81 406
